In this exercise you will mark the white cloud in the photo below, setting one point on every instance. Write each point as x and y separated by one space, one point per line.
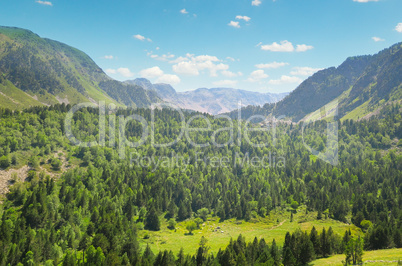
123 71
257 75
303 47
234 24
398 27
152 72
304 71
183 11
213 68
230 58
256 2
284 46
225 82
108 57
377 39
230 74
141 38
161 77
45 3
179 60
192 65
365 1
168 78
186 68
272 65
285 79
245 18
164 57
203 58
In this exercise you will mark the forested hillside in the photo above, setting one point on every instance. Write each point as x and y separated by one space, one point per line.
94 211
38 71
361 85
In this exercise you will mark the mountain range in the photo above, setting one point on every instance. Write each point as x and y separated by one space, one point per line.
213 101
39 71
356 89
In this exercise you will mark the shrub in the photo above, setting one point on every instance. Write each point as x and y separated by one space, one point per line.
191 226
4 161
56 164
294 204
172 223
203 213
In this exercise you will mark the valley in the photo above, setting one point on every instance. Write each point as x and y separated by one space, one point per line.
112 165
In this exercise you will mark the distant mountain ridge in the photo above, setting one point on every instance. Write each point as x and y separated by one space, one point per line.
358 87
213 101
40 71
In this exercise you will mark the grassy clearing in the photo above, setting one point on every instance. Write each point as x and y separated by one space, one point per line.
330 108
358 112
272 227
14 98
372 258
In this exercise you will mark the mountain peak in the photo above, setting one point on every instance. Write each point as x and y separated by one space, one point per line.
360 85
40 71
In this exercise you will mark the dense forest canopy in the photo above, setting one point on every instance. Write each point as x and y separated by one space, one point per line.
92 212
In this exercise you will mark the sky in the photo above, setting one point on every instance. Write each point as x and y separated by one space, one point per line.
255 45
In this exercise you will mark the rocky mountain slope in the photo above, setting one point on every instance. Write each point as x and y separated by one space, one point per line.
213 101
39 71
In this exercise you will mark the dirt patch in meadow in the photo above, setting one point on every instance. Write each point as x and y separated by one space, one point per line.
6 177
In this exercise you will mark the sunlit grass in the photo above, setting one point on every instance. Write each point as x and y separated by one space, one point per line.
372 258
272 227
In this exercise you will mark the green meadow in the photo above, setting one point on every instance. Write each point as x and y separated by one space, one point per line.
371 258
271 227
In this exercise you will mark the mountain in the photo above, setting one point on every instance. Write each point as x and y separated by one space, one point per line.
165 91
221 100
40 71
381 83
359 86
213 101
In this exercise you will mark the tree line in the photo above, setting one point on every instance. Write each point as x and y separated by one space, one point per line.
93 211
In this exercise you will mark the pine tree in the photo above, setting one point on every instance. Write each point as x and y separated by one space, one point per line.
152 220
180 257
202 253
315 240
171 210
398 238
306 249
275 253
345 240
148 256
325 245
288 257
183 212
354 251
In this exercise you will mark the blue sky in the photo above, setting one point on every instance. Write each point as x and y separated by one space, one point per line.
257 45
